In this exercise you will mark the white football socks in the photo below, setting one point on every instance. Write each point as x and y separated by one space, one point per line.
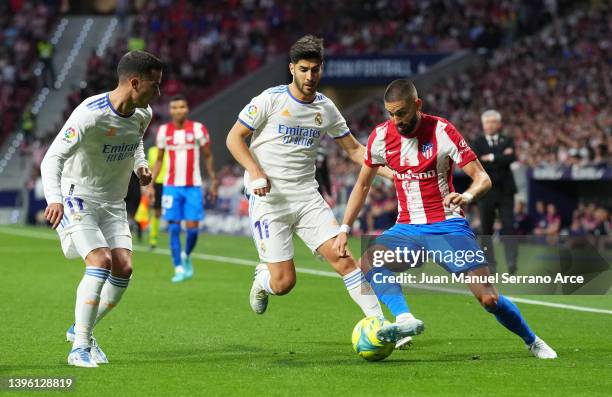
262 277
87 302
111 295
361 292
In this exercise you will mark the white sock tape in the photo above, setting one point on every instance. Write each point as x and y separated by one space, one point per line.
258 184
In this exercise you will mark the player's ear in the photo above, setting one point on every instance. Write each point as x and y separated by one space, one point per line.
291 68
134 83
419 103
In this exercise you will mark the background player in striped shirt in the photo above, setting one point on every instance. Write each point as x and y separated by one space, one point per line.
182 198
422 150
85 176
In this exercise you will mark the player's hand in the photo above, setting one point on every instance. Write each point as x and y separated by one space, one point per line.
259 174
144 175
212 190
340 245
54 214
455 201
151 194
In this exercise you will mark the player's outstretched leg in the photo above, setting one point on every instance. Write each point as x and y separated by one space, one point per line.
190 242
271 279
390 293
98 264
174 229
357 286
508 314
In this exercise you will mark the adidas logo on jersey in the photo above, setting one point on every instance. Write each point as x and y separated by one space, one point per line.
111 132
286 113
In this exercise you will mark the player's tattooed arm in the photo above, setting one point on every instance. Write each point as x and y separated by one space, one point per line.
354 205
481 183
239 149
356 152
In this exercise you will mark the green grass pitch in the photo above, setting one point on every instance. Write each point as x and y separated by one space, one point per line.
201 338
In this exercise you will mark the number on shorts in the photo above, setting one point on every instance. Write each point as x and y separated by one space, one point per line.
78 200
263 228
167 201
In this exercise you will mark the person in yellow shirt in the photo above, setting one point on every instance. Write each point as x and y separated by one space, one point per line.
159 184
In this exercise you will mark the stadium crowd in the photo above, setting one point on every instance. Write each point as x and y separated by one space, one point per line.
24 28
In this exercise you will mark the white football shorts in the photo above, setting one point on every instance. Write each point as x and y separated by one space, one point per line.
273 222
89 224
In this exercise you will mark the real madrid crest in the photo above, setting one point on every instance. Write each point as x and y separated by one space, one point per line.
318 119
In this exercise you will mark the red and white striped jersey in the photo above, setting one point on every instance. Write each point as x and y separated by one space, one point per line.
423 165
183 147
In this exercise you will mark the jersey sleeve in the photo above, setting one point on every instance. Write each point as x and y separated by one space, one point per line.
255 114
140 160
63 147
374 156
201 134
160 138
337 128
460 152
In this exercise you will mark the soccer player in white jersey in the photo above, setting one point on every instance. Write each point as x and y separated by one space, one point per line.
85 175
286 124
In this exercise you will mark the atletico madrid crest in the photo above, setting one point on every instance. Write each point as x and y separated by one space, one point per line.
427 150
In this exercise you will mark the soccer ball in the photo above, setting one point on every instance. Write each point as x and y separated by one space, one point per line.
365 342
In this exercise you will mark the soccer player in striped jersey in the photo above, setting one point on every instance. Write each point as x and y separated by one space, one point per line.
85 175
182 198
422 150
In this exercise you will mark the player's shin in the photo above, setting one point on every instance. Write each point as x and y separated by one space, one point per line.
174 229
361 292
192 238
387 290
509 315
87 302
111 295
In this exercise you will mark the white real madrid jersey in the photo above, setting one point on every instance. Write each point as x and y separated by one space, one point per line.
286 135
95 152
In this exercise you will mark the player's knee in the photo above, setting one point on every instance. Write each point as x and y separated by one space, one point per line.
99 257
283 285
489 302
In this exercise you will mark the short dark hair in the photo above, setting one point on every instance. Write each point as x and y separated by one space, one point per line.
178 97
307 47
401 90
138 63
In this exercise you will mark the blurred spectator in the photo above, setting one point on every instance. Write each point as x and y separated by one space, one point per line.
45 56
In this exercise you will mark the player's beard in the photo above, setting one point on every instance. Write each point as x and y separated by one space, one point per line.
408 129
301 85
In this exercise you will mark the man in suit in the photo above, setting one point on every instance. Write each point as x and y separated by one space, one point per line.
496 152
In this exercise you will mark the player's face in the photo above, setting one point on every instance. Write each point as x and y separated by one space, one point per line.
491 125
404 115
179 110
146 88
306 75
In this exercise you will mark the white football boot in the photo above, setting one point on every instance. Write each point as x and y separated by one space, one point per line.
404 343
96 352
81 357
258 296
540 349
400 329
